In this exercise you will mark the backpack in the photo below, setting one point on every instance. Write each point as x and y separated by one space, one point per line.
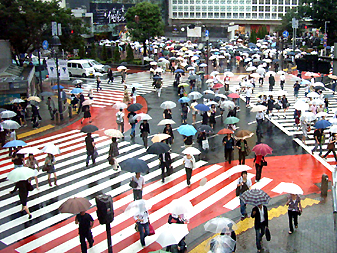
119 117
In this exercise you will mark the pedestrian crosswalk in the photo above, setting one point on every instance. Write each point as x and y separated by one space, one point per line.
51 231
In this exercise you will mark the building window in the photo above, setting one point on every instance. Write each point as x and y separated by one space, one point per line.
186 15
174 8
192 15
229 15
180 15
180 8
254 15
186 8
235 15
204 15
267 16
261 8
204 1
174 14
274 9
216 15
204 8
235 1
216 8
191 8
242 15
185 1
261 1
210 15
216 1
222 15
280 15
267 9
242 2
267 1
280 1
197 8
254 2
223 8
235 8
248 8
247 15
197 1
222 1
287 9
197 15
229 8
229 1
174 1
254 8
180 1
274 2
210 8
210 1
241 8
273 16
287 2
248 1
191 1
261 16
294 2
280 9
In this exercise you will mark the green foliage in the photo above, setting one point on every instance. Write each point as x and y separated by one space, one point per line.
116 55
253 36
150 21
81 52
129 53
262 32
104 54
26 23
93 51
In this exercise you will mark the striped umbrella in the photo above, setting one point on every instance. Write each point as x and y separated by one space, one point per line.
255 197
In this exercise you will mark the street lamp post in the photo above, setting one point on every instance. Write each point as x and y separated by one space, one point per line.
55 42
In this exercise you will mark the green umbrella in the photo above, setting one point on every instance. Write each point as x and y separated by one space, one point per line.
166 52
231 120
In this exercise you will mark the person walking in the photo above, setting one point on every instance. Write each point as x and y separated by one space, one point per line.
294 210
81 100
248 96
98 83
126 97
260 213
113 152
167 114
165 162
270 105
120 120
91 94
49 163
18 159
296 89
189 163
142 221
12 137
245 184
33 164
285 104
184 111
90 147
259 121
331 146
318 134
144 131
35 116
2 134
51 107
271 82
168 130
282 80
228 143
123 75
133 123
110 76
212 120
258 163
24 186
304 127
242 146
85 223
87 114
138 190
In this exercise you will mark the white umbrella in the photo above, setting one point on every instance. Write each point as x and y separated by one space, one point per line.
300 105
229 74
227 104
120 68
214 73
280 72
313 95
77 81
119 105
142 116
158 70
191 151
332 77
180 206
333 121
168 105
160 137
212 103
308 116
240 168
34 98
209 81
255 75
17 100
258 108
30 150
212 57
87 102
153 63
20 173
317 102
270 73
251 68
267 60
290 188
50 148
190 68
7 114
319 84
137 207
98 74
221 244
164 122
194 95
333 129
114 133
220 224
261 71
203 65
221 96
172 234
10 124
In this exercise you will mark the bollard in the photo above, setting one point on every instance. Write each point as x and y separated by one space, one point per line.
324 185
70 110
57 117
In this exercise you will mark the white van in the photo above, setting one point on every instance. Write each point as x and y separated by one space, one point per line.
97 66
80 68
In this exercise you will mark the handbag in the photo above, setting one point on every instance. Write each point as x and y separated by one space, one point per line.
241 189
95 154
264 163
248 151
46 168
133 184
151 229
30 187
268 235
331 146
136 227
205 144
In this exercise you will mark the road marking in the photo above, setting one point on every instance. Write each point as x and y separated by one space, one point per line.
35 131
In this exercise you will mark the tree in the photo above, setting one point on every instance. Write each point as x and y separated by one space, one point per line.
93 52
26 23
116 55
81 52
104 54
144 21
129 53
253 36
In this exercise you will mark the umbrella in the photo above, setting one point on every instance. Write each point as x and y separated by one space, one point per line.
142 116
332 77
191 151
322 124
205 129
308 116
55 87
17 100
168 105
183 85
10 124
157 78
255 197
50 148
251 68
153 63
20 173
255 75
333 129
136 85
158 148
15 143
30 150
134 107
137 207
214 73
240 168
187 130
76 91
234 95
313 95
89 129
192 77
194 95
203 65
243 134
220 224
200 72
7 114
164 122
119 105
217 86
179 71
290 188
77 81
180 206
184 100
202 107
258 108
88 102
34 98
221 244
120 68
134 165
260 71
172 234
114 133
262 149
225 131
47 93
300 105
221 96
231 120
209 96
160 137
75 205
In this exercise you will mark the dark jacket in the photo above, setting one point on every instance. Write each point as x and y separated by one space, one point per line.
167 158
113 151
169 131
257 222
271 80
144 127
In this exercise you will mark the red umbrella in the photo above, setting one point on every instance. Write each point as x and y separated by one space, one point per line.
217 86
225 131
238 58
233 95
262 149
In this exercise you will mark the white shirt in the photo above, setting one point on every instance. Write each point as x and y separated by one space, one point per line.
248 182
282 78
140 182
120 115
261 214
249 92
144 217
189 163
260 115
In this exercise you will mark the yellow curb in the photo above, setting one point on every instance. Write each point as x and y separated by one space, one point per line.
249 223
35 131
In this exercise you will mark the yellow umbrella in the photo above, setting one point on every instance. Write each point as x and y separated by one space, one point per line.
160 137
34 98
184 49
183 84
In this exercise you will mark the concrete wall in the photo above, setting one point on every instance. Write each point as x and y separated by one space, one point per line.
5 56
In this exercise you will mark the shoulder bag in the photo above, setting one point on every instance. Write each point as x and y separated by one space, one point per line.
133 184
30 187
151 229
331 146
268 235
264 163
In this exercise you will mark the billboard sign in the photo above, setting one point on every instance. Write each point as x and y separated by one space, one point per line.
109 13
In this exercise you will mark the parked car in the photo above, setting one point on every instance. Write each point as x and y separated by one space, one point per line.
98 66
80 68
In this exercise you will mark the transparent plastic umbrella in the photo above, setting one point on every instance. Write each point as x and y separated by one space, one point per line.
172 234
137 207
220 224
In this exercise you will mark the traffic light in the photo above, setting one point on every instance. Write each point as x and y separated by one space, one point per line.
105 211
72 31
305 27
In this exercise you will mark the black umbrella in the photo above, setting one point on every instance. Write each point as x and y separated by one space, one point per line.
209 96
47 93
192 77
134 107
157 78
158 148
134 165
319 88
206 129
89 129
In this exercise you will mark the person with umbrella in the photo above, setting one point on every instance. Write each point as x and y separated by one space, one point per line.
144 131
165 162
296 88
294 210
87 114
24 186
49 163
189 163
184 111
212 112
242 146
81 99
194 111
90 147
228 143
271 82
244 183
331 146
318 134
85 223
34 165
18 159
282 80
260 213
113 152
123 75
167 114
168 130
142 221
259 161
133 123
110 76
120 120
35 116
12 137
138 190
126 97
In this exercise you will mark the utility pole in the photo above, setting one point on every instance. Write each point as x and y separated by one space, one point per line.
207 46
325 39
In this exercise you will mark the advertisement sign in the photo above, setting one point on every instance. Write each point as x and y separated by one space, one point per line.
196 32
51 66
109 13
64 73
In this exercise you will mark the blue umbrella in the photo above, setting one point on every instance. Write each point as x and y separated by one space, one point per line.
76 91
184 100
322 124
202 107
305 82
179 71
187 130
55 87
15 143
157 78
